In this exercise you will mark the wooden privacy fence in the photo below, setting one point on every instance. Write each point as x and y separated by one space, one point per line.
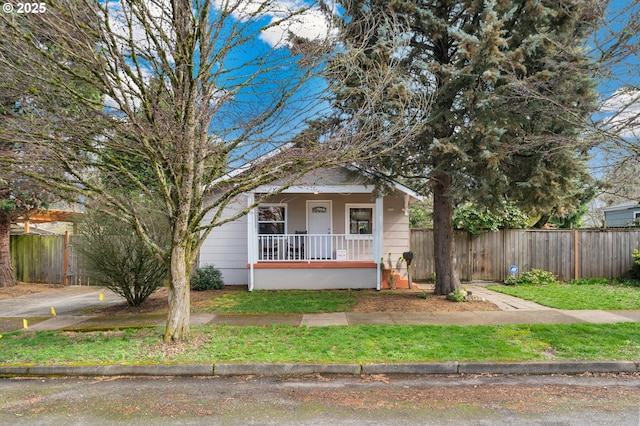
49 259
568 254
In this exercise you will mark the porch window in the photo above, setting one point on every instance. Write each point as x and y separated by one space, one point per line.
360 219
272 219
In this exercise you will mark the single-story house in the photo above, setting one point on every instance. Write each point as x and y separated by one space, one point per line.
330 229
622 215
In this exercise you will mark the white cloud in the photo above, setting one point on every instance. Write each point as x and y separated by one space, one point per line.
145 26
256 9
622 113
141 29
295 17
127 92
150 33
311 25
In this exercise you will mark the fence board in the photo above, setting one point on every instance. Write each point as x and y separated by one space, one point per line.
37 258
601 253
488 254
40 259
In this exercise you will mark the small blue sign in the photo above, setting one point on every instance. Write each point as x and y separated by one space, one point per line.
513 269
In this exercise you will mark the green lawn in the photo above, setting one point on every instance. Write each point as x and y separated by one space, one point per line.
562 296
278 302
577 297
216 343
283 343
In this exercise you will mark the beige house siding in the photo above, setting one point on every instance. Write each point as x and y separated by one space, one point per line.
396 235
226 246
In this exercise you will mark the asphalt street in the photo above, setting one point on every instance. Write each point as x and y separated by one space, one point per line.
324 400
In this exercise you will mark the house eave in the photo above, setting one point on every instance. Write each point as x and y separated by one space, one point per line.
621 207
396 185
316 189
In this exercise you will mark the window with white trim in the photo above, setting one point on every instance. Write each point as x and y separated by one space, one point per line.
359 219
272 219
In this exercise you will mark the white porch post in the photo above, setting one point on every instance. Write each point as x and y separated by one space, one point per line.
252 244
378 239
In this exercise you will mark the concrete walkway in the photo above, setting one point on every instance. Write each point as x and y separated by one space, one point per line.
73 306
512 311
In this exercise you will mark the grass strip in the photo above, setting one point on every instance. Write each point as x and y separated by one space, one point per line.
283 343
275 302
577 297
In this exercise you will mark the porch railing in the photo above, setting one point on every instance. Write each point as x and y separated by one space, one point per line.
315 248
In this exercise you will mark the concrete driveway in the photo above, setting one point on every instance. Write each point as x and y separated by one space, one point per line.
66 301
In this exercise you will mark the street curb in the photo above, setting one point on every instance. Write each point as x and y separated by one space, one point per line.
411 368
548 367
299 369
224 369
110 370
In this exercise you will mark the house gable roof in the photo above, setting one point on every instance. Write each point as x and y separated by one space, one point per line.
317 182
340 179
629 205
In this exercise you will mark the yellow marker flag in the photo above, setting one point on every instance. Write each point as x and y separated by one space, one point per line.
25 324
101 297
53 311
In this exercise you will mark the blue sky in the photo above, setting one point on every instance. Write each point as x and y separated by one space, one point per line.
620 90
312 24
251 76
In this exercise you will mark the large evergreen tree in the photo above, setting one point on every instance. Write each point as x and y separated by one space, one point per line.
510 86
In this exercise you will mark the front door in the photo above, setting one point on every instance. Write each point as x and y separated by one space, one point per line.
319 228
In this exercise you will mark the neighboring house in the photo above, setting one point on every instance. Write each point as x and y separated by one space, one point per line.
328 230
622 215
55 221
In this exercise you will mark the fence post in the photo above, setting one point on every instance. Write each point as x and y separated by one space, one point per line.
65 259
470 239
576 255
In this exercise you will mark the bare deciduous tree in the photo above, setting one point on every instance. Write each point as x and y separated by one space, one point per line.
190 91
617 125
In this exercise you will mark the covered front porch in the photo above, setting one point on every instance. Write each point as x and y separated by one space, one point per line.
303 247
315 238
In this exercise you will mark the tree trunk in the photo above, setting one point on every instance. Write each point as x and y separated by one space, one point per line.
447 279
7 278
178 317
